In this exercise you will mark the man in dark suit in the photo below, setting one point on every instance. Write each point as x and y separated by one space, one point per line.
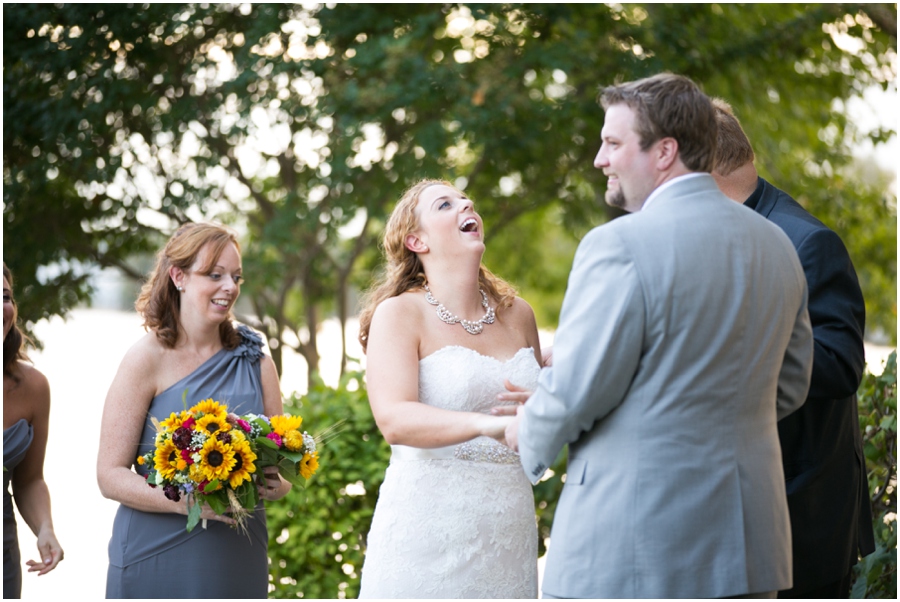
821 444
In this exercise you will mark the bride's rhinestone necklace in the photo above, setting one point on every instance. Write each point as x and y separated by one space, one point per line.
471 327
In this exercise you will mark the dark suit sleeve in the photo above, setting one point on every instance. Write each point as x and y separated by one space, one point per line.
837 312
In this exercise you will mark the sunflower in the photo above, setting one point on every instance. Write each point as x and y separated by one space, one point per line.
216 459
293 440
244 464
165 459
174 421
283 424
208 406
212 424
309 464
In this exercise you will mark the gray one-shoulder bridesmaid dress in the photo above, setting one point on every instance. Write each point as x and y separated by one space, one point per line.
16 441
151 555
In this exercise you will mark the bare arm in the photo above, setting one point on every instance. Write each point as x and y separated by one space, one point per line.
392 375
274 487
124 413
30 489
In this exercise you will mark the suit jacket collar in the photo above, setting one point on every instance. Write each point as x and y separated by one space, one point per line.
661 189
702 183
764 198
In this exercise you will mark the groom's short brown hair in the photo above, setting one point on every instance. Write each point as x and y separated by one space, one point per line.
670 106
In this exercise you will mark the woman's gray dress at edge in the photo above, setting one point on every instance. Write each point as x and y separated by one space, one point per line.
151 555
16 441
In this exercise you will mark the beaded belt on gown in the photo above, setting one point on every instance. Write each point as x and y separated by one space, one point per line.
471 451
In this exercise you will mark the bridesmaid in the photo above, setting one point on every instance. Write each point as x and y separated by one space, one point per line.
26 417
193 346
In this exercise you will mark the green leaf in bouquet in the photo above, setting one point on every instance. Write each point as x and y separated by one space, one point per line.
248 495
291 455
288 470
266 456
193 516
217 501
266 442
254 493
264 426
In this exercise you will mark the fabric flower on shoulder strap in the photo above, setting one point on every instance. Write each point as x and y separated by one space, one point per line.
251 345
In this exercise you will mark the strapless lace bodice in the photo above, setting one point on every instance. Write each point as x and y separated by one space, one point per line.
456 522
459 378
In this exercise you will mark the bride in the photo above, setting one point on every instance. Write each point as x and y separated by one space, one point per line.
455 514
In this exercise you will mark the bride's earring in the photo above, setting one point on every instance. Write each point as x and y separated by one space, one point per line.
179 288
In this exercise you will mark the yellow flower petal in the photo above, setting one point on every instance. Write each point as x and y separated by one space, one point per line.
282 424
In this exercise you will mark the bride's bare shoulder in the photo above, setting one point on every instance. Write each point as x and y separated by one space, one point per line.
403 307
520 311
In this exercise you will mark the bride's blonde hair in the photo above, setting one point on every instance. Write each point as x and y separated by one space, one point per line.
403 270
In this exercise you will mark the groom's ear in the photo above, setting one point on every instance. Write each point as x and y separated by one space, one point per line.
666 153
415 244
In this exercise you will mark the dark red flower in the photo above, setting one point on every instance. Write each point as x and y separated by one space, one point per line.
182 437
172 492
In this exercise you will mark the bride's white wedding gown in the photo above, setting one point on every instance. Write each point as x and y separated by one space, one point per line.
456 522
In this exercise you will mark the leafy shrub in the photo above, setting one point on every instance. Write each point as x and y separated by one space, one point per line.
876 574
317 533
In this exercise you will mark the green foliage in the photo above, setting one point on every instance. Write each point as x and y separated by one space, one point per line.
302 124
546 495
876 574
317 533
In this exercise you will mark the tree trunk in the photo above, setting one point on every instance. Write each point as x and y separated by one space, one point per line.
311 347
342 316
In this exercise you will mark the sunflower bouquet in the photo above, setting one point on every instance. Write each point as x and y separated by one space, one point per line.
209 455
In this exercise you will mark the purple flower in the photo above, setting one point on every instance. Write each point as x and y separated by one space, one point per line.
275 437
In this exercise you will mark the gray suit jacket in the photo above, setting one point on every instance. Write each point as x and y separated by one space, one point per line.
684 336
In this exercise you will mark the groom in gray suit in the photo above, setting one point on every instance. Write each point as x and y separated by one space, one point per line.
684 336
